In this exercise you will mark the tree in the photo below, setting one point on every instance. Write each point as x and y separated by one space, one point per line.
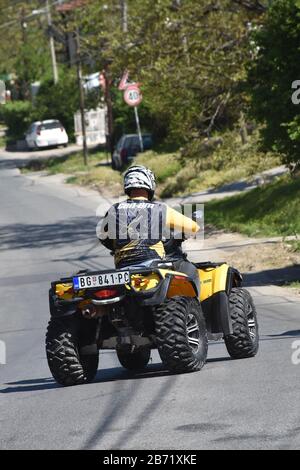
271 74
17 116
190 57
24 49
59 101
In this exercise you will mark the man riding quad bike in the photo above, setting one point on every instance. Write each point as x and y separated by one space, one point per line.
154 298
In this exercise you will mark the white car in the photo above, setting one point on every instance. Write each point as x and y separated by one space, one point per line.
48 133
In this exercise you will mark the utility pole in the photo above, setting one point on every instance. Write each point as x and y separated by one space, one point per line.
81 97
108 102
124 15
52 47
25 82
47 12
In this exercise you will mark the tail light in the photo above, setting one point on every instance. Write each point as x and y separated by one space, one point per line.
123 154
62 129
106 293
38 131
180 278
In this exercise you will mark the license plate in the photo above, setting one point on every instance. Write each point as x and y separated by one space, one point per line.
101 280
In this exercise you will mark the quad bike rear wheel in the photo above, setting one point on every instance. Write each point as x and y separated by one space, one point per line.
66 363
181 334
136 360
244 340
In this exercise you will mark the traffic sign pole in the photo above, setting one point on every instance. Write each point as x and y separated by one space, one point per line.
133 97
138 127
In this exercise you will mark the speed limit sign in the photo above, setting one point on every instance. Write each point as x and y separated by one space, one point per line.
132 95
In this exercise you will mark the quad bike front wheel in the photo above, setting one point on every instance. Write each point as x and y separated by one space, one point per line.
136 360
181 334
244 340
67 365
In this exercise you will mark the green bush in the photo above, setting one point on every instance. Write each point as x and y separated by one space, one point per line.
275 66
17 116
59 101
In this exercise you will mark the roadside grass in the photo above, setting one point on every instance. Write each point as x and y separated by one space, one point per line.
164 165
270 210
294 246
226 163
99 178
295 285
98 174
68 164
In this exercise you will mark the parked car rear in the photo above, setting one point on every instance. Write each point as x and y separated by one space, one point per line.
127 148
49 133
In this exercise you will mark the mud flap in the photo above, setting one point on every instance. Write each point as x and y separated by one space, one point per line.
58 309
217 314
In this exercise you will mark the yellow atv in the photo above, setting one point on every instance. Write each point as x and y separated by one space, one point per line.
137 309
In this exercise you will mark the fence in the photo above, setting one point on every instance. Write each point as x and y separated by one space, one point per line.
96 126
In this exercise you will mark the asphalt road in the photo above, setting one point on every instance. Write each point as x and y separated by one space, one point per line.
249 404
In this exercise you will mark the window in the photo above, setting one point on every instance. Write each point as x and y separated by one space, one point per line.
120 143
45 126
147 142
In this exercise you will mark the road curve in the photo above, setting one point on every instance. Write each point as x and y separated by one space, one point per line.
241 404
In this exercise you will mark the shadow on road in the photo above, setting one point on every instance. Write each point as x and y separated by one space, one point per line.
8 164
278 276
71 231
119 403
289 334
144 412
38 159
119 373
112 374
31 385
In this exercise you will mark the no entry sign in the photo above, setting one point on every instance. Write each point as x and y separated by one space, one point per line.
132 95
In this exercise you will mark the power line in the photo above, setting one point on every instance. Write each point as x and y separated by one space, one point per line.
4 25
11 5
8 9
